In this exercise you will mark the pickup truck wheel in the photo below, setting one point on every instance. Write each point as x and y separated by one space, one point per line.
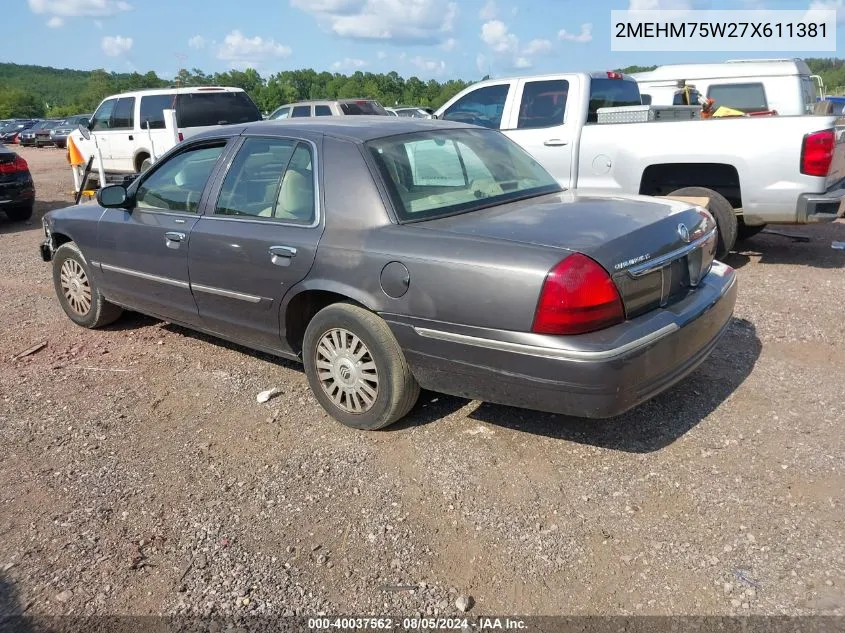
723 213
356 369
744 231
19 214
78 294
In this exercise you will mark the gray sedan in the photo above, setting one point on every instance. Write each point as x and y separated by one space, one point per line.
393 254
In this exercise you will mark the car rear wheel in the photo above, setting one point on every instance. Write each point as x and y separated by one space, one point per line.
78 294
723 213
19 214
356 369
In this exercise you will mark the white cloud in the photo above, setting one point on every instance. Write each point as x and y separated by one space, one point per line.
116 45
821 5
78 8
489 11
449 45
435 66
239 48
55 22
349 64
393 21
197 42
505 45
586 34
536 47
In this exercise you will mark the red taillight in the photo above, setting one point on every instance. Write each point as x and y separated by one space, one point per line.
817 152
578 296
181 137
16 166
613 75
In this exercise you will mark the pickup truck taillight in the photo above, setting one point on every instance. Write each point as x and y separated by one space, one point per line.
578 296
817 152
16 166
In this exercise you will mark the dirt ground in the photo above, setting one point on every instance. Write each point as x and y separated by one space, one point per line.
138 474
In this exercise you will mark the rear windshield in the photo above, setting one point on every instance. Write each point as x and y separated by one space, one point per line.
447 172
612 93
362 107
202 109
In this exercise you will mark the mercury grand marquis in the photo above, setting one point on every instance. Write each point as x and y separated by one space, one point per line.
392 254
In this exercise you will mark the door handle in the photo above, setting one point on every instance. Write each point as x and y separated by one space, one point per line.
131 138
173 236
555 142
283 251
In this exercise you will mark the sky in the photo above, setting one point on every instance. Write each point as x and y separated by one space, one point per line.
438 39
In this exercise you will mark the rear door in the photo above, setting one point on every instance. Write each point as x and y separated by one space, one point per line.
540 124
258 238
143 251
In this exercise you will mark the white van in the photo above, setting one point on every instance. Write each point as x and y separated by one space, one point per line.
121 122
749 85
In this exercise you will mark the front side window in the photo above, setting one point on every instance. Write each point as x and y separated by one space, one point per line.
483 106
743 97
270 178
152 110
124 114
281 113
543 104
447 172
178 183
102 117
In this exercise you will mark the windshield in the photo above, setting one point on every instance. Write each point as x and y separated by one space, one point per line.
447 172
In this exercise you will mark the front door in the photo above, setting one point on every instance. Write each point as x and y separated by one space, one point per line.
144 250
257 240
541 127
122 140
100 127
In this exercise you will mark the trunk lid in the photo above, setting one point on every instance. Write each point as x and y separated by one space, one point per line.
656 250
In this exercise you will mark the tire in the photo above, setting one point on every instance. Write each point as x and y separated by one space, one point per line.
722 211
88 309
20 214
335 328
744 231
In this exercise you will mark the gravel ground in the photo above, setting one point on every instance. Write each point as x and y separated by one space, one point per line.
140 476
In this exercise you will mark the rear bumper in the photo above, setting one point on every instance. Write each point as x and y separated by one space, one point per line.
598 375
822 207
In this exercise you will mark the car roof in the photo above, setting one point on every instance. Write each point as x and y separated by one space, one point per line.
359 128
174 90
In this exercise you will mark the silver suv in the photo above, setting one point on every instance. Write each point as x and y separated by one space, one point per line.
328 107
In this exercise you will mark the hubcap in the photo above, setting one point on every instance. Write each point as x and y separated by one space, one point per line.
75 287
347 371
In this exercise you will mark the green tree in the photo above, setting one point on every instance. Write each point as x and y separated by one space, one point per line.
16 103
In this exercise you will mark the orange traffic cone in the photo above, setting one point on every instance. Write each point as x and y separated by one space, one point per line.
74 156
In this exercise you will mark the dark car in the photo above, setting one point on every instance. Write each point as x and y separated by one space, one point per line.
66 126
17 191
27 136
10 132
393 254
44 134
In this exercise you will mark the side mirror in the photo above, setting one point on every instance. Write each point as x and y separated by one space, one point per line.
86 133
112 197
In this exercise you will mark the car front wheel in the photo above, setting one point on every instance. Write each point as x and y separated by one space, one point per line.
78 293
356 369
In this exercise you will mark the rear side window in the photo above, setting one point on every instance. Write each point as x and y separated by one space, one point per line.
203 109
152 110
124 114
744 97
543 104
362 107
301 111
322 110
612 93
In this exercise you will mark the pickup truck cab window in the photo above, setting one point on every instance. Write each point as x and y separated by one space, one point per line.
270 178
543 104
178 183
749 97
483 106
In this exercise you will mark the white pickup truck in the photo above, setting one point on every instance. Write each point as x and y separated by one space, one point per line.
755 170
